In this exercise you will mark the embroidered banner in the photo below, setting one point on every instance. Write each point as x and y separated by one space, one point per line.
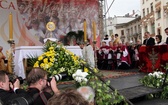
31 16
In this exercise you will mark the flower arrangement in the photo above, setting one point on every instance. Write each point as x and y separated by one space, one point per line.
155 80
56 59
80 76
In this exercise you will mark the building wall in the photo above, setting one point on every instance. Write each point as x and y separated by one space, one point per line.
111 24
156 20
132 30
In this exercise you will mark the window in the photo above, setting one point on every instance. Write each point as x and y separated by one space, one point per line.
151 5
139 28
153 28
135 29
122 32
159 14
158 31
146 28
110 32
131 31
147 10
143 12
128 32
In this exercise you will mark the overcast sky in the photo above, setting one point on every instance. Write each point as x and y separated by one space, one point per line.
122 7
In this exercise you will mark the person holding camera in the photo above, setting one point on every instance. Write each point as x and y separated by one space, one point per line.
9 91
37 81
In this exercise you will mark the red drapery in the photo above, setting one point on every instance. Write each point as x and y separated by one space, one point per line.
153 58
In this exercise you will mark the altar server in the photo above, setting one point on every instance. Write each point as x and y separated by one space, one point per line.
125 61
88 53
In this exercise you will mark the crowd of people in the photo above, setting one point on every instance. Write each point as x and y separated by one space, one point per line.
42 92
113 54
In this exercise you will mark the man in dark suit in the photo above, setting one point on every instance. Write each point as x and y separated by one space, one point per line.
149 41
166 31
7 91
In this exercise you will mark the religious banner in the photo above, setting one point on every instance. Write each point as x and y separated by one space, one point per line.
153 58
30 18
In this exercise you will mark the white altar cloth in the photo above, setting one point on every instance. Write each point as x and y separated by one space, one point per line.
26 51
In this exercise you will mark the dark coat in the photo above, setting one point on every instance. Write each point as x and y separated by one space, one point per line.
167 40
6 96
38 100
149 42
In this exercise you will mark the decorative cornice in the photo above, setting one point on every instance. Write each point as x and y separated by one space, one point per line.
158 4
165 8
148 18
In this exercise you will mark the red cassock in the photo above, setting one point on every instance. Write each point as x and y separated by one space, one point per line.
103 52
126 56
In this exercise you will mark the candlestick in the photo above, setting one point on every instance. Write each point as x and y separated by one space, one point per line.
94 31
85 30
10 26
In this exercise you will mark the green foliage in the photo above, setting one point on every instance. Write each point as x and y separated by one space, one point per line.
32 60
155 80
152 81
57 59
104 95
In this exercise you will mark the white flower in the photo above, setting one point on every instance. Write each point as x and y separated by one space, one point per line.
80 76
156 74
85 79
150 74
62 69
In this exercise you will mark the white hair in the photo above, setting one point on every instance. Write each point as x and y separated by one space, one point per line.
87 92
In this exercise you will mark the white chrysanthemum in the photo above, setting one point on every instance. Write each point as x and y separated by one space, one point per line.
80 76
156 74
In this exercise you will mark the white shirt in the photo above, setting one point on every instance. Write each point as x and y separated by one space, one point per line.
88 55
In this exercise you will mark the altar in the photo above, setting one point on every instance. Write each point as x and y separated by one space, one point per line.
34 51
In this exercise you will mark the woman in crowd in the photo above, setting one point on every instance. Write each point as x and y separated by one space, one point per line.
159 40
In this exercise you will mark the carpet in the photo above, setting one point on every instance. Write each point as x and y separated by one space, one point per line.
107 74
116 73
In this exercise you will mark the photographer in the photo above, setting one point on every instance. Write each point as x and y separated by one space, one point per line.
8 91
37 81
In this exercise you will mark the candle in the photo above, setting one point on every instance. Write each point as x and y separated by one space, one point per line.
10 26
94 31
85 30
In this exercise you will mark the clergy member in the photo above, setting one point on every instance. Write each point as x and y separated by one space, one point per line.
88 53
